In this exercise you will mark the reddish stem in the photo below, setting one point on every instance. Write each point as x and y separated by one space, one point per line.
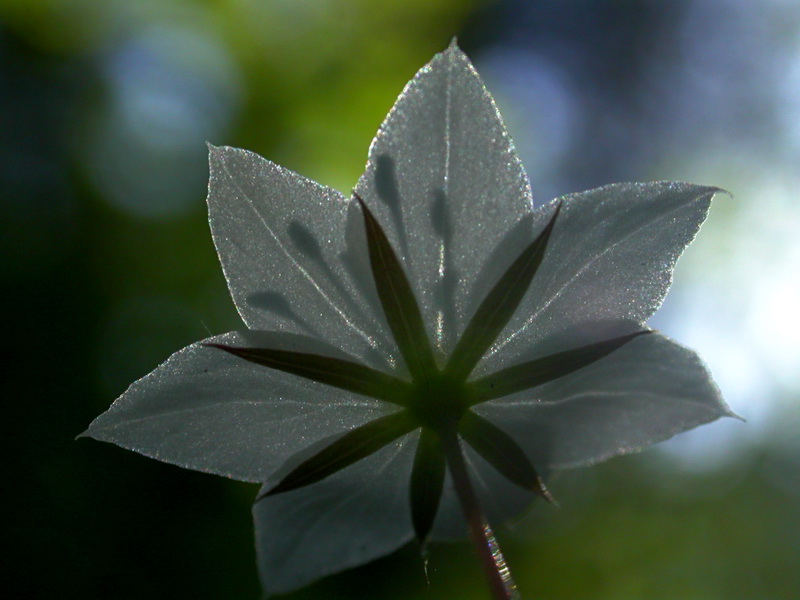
497 573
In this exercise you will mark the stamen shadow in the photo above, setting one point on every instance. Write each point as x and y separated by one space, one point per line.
306 243
275 302
389 193
500 258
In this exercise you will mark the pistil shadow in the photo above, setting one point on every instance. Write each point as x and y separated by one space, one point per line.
449 275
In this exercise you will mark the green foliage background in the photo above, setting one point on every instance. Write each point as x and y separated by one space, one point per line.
107 267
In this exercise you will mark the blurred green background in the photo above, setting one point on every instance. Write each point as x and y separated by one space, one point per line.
107 266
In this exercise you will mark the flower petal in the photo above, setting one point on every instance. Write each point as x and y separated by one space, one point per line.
282 241
352 517
208 410
646 391
610 259
445 182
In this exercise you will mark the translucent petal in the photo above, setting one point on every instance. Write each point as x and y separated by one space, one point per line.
208 410
645 392
445 182
352 517
610 258
285 249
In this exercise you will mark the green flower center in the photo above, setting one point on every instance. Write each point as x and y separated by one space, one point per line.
439 401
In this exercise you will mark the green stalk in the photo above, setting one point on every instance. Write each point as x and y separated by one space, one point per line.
497 573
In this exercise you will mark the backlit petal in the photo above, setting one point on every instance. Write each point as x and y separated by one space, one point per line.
208 410
445 182
357 515
282 242
645 392
610 258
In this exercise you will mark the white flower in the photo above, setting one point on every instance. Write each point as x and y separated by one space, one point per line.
335 341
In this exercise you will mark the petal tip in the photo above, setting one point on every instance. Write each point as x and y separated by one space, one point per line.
215 151
718 190
216 160
453 49
95 430
451 56
729 413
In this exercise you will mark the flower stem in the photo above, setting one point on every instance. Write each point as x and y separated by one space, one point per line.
497 573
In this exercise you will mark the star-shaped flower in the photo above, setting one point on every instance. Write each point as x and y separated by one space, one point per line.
431 342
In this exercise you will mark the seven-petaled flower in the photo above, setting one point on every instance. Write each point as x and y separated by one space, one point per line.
435 324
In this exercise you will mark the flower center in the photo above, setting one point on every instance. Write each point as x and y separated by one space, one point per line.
439 401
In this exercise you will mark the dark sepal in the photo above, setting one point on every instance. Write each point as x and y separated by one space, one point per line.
336 372
502 452
348 449
427 480
500 304
541 370
397 298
